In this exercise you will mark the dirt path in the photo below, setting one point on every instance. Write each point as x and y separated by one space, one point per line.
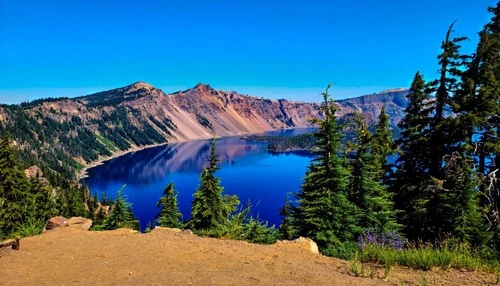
164 257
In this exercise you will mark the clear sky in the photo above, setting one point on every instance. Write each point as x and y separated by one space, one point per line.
276 49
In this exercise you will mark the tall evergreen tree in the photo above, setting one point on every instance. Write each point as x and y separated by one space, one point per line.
169 215
411 186
458 213
14 190
210 208
324 213
366 191
287 229
44 205
478 109
442 131
382 146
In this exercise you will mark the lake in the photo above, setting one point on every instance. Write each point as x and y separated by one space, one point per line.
247 169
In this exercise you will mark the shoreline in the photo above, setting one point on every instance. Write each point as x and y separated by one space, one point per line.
82 174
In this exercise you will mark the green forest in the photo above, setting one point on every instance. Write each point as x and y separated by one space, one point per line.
436 205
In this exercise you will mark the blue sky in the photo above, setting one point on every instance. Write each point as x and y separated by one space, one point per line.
276 49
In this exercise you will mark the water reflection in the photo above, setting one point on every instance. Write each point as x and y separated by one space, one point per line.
152 164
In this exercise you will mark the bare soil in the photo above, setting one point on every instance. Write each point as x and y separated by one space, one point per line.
165 257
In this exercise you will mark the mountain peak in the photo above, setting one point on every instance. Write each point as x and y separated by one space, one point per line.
400 89
203 87
139 85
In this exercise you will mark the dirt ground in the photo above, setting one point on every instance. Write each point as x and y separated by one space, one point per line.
164 257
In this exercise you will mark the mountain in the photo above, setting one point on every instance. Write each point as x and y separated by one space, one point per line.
394 100
67 134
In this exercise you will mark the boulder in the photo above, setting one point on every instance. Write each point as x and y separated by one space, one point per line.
161 228
308 244
56 222
302 242
80 222
187 231
33 172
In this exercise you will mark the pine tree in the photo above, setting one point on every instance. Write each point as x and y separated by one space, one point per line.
14 190
44 205
121 215
210 208
324 213
169 215
411 186
287 229
478 108
382 146
458 214
366 191
442 131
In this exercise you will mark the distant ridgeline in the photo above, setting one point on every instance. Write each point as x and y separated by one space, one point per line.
62 135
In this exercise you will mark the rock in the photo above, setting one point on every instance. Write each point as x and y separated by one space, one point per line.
308 244
161 228
14 243
80 222
33 172
302 242
105 209
56 222
187 231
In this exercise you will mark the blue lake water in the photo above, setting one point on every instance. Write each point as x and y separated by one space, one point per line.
247 170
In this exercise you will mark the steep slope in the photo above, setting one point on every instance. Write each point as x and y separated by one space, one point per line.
165 257
65 134
394 100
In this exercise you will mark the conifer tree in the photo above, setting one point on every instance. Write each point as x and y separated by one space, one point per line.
169 215
44 205
287 229
121 215
458 214
382 146
411 186
442 130
210 208
14 190
324 213
478 108
372 200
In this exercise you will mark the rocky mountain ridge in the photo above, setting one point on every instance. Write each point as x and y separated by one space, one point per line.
71 133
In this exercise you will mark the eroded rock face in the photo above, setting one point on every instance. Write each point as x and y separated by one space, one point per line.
34 172
56 222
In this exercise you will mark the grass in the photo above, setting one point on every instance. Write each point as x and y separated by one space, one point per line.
79 166
106 142
32 226
427 258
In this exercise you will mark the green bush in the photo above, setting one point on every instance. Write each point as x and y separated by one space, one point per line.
32 226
